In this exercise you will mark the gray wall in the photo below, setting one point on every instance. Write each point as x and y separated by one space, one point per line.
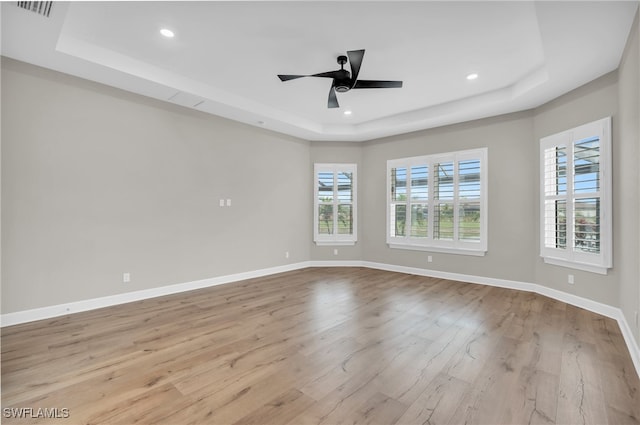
97 182
628 180
511 163
590 102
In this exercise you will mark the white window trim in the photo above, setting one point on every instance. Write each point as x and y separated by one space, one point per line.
428 243
335 239
594 263
459 251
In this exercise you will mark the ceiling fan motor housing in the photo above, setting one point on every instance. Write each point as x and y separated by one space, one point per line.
343 85
343 82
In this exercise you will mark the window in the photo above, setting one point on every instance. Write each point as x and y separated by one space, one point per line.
576 197
335 204
438 202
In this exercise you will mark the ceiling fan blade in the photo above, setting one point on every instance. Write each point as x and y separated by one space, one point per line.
355 60
377 84
333 99
290 77
329 74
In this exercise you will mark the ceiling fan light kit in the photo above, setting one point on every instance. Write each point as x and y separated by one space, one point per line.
343 81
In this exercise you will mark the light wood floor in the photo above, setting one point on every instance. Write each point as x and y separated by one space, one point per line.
326 346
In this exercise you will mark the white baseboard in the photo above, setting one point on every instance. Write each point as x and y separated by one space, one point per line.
49 312
95 303
587 304
338 263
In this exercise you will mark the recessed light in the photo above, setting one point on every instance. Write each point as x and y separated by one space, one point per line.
472 76
347 112
167 32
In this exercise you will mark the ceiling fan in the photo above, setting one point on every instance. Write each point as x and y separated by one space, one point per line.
343 81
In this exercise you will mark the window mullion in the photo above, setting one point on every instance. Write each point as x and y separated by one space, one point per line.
430 201
456 213
408 216
336 202
571 197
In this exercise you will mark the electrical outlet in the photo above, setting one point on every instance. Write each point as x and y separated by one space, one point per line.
430 259
570 279
126 277
222 202
335 251
228 202
286 254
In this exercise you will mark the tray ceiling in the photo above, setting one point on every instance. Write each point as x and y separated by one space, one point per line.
225 56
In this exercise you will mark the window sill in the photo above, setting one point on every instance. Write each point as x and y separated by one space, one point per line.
335 243
578 266
458 251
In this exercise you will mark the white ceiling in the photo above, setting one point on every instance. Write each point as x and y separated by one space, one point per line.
225 56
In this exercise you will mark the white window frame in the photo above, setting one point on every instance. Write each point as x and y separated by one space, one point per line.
568 257
335 239
428 243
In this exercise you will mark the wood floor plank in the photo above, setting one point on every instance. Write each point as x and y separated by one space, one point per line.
491 396
341 403
281 409
437 403
620 392
378 409
537 396
580 395
325 346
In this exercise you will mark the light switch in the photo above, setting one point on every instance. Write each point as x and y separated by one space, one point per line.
228 202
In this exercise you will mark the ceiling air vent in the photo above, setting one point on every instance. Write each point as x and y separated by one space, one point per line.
39 7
